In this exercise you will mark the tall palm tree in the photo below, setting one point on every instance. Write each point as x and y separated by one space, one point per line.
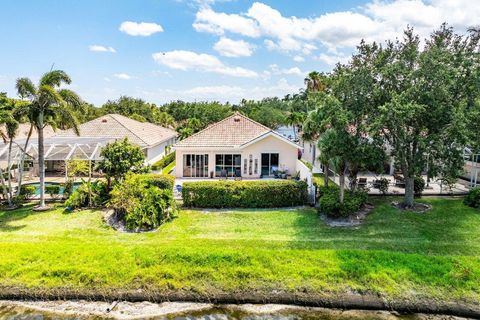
295 119
48 104
315 82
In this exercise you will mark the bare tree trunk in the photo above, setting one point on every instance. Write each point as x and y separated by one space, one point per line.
409 192
22 161
41 161
326 174
9 168
342 186
4 186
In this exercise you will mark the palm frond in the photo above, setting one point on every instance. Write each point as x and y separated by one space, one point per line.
25 88
24 112
55 78
67 118
49 96
70 97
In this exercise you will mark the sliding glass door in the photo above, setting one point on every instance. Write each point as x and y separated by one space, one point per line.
269 164
228 164
195 165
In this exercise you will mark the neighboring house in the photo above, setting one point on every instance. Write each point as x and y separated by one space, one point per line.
236 145
289 132
153 139
20 136
311 153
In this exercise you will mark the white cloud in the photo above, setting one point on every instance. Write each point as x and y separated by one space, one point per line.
378 20
298 59
122 76
143 29
332 59
233 48
188 60
99 48
210 21
291 71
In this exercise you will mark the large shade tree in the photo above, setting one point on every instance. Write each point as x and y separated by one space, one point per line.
48 104
420 98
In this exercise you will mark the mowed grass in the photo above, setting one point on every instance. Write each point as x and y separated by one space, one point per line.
168 168
395 254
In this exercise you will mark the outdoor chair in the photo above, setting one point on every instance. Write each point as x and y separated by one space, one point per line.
399 181
178 190
238 174
362 182
223 175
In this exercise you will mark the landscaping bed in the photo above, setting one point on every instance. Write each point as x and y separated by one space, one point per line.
268 255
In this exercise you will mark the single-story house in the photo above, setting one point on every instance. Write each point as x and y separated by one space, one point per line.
236 146
152 138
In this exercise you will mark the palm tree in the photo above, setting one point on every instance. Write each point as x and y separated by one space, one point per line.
315 82
47 104
295 119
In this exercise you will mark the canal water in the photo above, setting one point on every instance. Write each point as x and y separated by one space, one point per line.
211 312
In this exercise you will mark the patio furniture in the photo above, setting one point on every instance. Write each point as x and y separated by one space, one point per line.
238 174
178 187
362 182
399 181
223 174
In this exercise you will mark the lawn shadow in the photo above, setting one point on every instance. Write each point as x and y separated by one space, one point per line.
450 228
9 216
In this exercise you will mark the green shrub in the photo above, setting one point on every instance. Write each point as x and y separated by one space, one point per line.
165 161
80 197
244 194
330 205
418 185
27 191
472 199
382 185
53 190
321 190
162 181
144 201
68 188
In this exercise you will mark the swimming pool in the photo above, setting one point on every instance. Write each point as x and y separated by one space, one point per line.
62 188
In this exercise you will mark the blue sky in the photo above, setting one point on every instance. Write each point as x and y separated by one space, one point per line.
163 50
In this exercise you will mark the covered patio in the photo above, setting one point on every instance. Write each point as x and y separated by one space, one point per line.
58 150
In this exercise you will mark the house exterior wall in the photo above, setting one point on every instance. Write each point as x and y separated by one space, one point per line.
288 155
311 153
157 152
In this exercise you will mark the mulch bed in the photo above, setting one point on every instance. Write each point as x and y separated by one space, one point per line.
354 220
417 207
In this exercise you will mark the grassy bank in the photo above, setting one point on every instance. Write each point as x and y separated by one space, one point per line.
397 255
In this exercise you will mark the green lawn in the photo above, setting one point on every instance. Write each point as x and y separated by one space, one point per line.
319 179
168 168
398 255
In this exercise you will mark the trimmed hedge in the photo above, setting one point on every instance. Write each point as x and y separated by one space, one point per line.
27 191
244 194
165 161
162 181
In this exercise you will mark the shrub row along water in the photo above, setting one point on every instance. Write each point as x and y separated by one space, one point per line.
244 194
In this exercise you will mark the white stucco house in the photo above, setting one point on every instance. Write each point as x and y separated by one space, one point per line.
152 138
236 146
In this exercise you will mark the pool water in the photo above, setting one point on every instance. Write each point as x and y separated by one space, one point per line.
62 188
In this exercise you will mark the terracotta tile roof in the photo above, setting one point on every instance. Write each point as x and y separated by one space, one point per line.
23 128
144 134
233 131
